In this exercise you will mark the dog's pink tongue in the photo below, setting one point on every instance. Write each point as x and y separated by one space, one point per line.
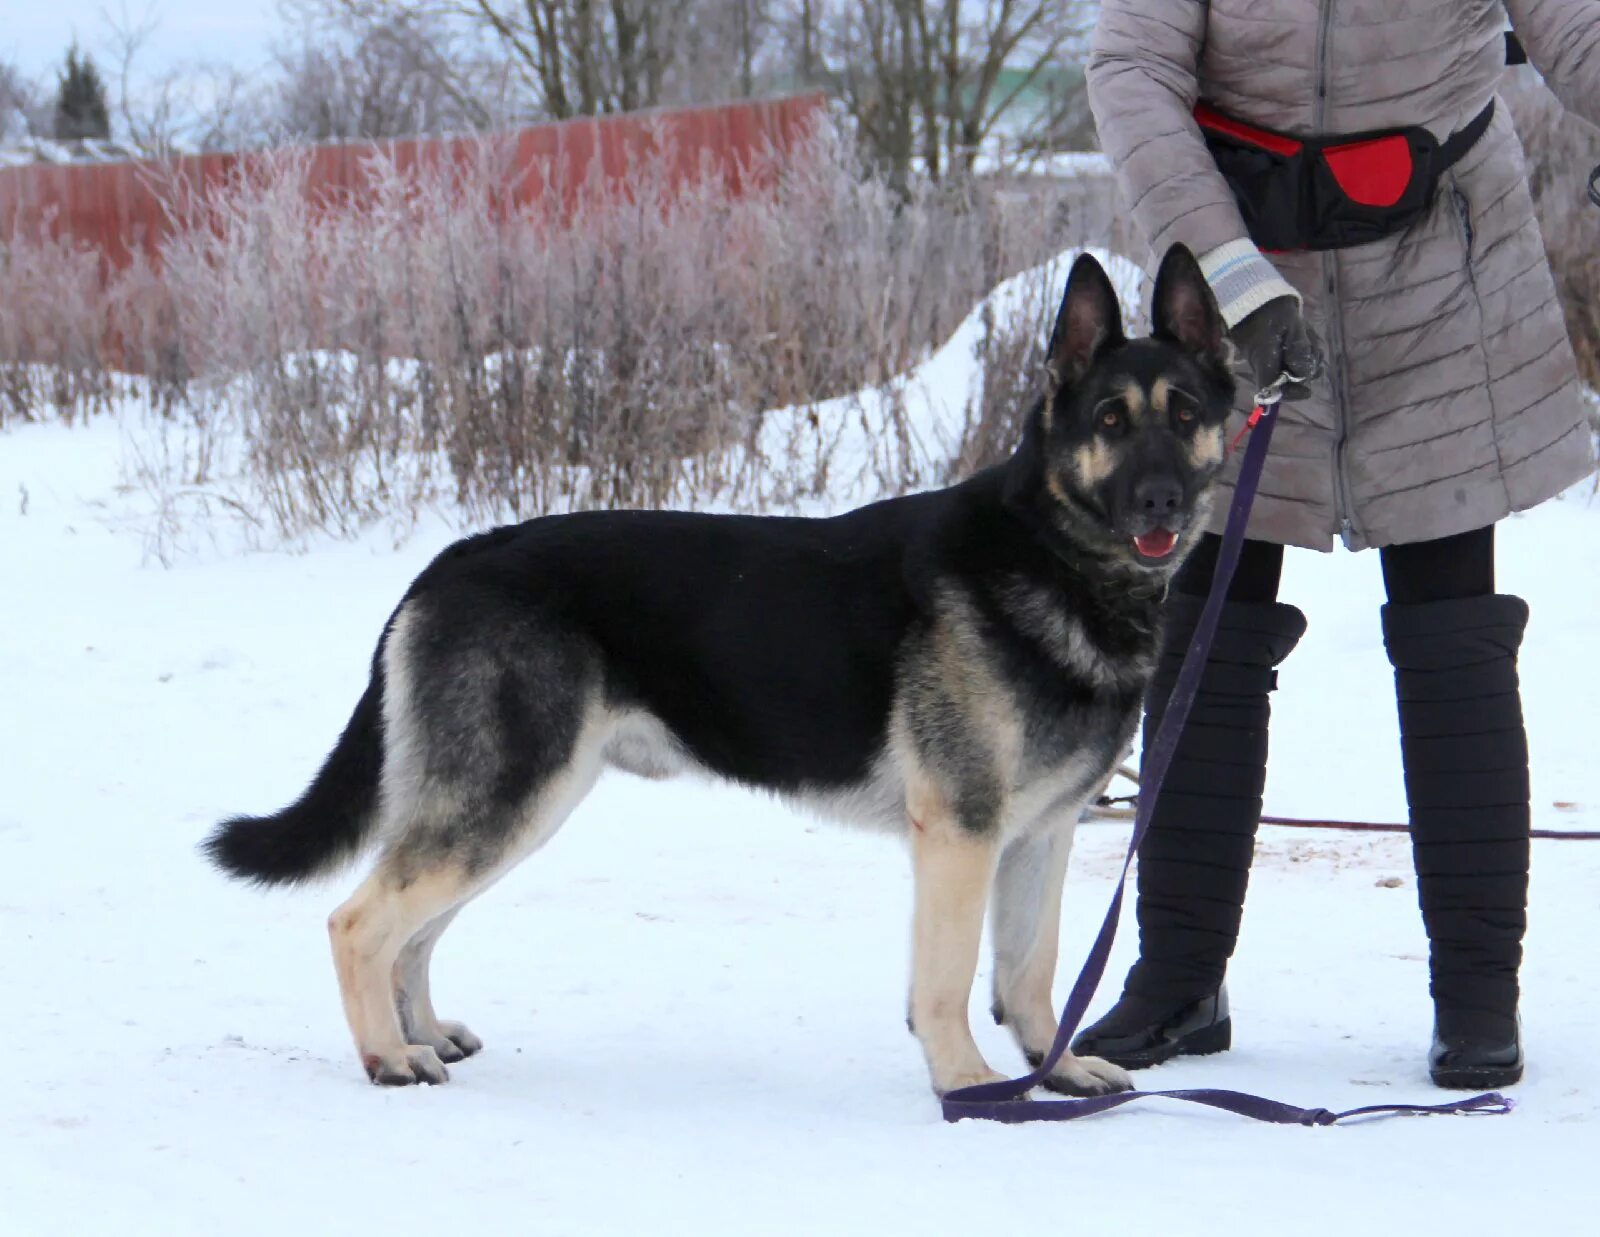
1157 543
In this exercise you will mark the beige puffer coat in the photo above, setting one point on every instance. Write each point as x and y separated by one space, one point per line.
1452 396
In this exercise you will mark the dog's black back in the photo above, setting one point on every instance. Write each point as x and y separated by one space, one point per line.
738 632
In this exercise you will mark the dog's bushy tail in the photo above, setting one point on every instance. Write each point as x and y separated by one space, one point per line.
328 823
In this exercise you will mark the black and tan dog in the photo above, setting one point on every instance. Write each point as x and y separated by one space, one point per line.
963 666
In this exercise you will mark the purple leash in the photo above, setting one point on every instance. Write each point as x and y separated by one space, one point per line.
1006 1101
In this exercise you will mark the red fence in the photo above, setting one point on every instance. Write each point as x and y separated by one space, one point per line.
118 207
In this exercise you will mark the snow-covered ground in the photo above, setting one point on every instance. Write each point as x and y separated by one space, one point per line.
693 1000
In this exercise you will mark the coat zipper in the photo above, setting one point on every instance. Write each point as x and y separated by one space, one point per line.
1464 215
1342 506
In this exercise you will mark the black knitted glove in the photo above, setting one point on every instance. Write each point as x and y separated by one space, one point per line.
1276 339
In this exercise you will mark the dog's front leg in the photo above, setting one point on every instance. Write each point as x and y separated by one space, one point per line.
1026 930
953 868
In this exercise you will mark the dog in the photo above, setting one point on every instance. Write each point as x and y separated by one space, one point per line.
962 666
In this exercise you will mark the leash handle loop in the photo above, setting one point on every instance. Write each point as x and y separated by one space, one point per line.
1274 1112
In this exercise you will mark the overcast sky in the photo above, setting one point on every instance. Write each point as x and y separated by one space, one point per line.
35 33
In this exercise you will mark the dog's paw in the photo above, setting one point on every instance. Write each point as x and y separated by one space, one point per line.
420 1063
1084 1076
452 1042
465 1041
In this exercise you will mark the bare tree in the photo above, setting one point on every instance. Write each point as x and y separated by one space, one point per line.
727 49
128 38
930 83
389 76
587 57
378 68
200 104
18 99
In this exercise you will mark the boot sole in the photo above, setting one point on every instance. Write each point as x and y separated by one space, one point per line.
1207 1041
1476 1079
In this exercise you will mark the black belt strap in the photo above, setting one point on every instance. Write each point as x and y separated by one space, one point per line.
1459 142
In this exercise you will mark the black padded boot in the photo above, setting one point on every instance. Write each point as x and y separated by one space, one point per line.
1466 767
1195 861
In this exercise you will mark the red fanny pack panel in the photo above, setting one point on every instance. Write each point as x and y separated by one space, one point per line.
1372 173
1277 143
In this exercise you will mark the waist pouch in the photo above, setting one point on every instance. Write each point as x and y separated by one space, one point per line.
1336 191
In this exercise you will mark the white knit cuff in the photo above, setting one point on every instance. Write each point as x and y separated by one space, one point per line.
1242 279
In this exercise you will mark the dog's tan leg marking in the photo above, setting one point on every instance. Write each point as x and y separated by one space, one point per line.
414 891
953 870
413 998
368 934
1025 926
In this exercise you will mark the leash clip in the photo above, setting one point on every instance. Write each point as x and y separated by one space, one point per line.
1267 400
1272 393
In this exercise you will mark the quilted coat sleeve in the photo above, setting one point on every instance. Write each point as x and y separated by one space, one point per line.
1142 89
1562 38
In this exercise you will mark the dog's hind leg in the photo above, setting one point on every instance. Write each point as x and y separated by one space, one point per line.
419 883
414 1000
953 868
492 735
368 934
1025 926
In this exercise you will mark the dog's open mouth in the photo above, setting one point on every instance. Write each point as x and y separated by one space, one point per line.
1157 543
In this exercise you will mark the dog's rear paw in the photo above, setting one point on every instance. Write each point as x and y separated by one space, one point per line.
1083 1076
455 1043
419 1064
463 1040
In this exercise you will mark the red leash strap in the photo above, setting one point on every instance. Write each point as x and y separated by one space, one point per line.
1370 826
1254 419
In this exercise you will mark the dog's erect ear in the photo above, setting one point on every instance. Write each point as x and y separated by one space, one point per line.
1089 322
1184 311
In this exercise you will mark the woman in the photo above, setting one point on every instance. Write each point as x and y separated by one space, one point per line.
1449 399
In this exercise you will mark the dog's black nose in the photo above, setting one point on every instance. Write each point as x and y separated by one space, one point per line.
1158 496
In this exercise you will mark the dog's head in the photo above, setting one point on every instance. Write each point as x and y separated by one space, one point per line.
1130 436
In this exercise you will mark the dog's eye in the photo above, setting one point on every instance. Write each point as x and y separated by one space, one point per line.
1184 406
1110 418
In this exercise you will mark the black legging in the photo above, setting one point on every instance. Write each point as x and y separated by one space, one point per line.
1444 570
